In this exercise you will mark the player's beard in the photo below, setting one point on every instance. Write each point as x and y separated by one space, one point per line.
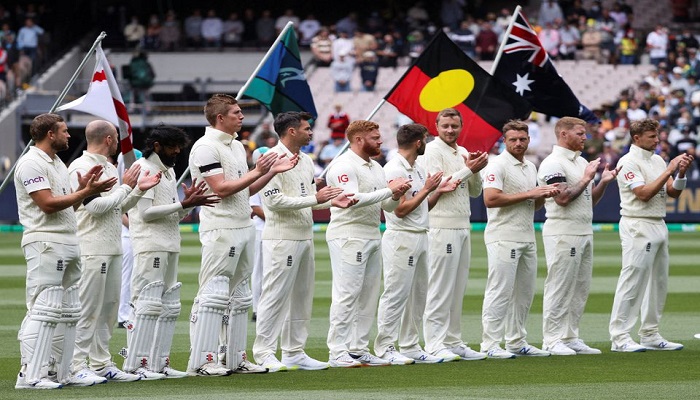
60 146
370 150
167 160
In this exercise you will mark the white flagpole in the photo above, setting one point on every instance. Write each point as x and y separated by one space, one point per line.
289 25
505 39
58 101
347 143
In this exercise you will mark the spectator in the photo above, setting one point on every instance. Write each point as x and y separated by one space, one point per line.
363 42
285 18
262 135
347 24
28 40
618 15
170 32
322 48
451 13
193 29
486 42
338 122
341 71
388 51
212 29
308 28
233 30
570 39
657 45
417 16
134 32
265 28
343 45
549 12
369 68
151 41
608 30
416 44
141 78
465 39
331 149
634 113
628 47
250 36
550 40
591 40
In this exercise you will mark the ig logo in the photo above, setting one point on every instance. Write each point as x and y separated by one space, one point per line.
343 178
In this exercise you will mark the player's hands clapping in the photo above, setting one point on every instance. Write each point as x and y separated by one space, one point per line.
398 187
544 192
284 163
476 161
147 181
433 181
90 181
448 185
195 195
609 174
327 193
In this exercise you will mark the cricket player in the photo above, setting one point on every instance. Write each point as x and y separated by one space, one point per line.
287 293
155 233
50 245
449 240
99 231
511 196
219 316
568 237
644 182
354 243
405 252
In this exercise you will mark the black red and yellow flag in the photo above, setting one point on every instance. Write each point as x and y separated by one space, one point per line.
443 77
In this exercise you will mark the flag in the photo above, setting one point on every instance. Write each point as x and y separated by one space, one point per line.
280 84
525 66
104 100
443 77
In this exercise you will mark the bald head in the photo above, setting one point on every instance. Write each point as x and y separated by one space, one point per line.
101 137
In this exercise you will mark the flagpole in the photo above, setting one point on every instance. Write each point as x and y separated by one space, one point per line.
290 24
58 101
347 143
505 39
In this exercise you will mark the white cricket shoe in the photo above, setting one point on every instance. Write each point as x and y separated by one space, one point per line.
85 377
423 357
303 362
559 349
146 374
272 364
499 353
529 350
43 383
247 367
172 373
370 360
659 343
697 336
114 374
580 347
210 369
396 358
446 355
344 361
466 353
628 346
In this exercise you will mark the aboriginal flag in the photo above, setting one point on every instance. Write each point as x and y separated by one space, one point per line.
526 66
443 77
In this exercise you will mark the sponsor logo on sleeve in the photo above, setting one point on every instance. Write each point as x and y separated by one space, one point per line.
343 178
32 181
629 175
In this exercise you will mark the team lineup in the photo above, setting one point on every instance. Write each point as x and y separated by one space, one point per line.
74 217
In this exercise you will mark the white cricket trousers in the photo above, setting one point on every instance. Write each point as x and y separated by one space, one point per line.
152 266
401 306
229 253
510 288
100 284
643 282
257 275
569 271
357 266
286 299
127 268
50 264
448 260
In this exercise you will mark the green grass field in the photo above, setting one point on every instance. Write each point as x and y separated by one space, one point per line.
650 375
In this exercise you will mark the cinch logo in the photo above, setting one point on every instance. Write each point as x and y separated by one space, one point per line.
343 178
38 179
490 177
629 176
271 192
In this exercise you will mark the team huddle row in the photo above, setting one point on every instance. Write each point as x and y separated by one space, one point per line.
72 223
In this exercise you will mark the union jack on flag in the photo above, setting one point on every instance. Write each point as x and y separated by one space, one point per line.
525 65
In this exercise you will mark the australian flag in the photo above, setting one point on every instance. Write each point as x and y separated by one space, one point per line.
526 66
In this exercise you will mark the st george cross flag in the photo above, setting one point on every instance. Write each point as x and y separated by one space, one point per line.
444 77
524 65
280 84
104 100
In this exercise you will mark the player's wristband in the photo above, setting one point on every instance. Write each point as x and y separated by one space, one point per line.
679 183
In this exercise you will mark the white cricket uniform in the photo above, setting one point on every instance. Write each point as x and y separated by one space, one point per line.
225 230
449 247
256 276
643 282
156 242
354 243
567 234
512 254
287 294
99 230
405 259
127 268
